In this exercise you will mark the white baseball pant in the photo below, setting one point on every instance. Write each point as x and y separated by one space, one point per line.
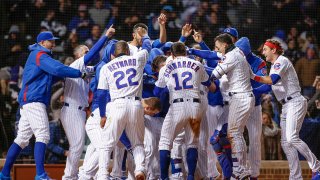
153 127
254 127
293 113
91 161
178 152
241 105
181 115
118 155
73 121
127 114
34 120
202 164
89 167
213 115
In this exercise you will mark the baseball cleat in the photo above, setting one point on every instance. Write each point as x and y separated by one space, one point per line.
3 177
43 176
316 176
242 176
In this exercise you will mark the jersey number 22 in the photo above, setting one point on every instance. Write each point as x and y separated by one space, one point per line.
120 75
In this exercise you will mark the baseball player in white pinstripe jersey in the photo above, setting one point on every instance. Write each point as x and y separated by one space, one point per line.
73 115
123 77
183 77
237 69
285 86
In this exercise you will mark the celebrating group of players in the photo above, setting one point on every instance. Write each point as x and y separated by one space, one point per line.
157 102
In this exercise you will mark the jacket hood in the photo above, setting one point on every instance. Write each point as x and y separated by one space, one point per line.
109 50
37 47
244 44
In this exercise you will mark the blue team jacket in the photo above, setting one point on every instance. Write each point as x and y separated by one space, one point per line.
39 73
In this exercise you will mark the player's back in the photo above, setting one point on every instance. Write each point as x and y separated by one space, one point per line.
125 74
183 77
239 76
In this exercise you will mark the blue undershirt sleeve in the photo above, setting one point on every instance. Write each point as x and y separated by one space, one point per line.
275 78
102 93
95 49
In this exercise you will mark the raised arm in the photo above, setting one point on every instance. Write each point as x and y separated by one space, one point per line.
98 46
146 43
197 37
185 32
162 19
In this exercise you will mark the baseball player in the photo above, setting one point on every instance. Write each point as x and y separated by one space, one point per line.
217 114
73 115
215 120
254 125
39 73
285 85
90 165
134 47
123 78
184 97
237 69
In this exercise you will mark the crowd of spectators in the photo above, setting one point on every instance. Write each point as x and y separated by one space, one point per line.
293 22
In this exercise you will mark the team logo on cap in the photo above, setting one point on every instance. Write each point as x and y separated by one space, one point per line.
276 66
228 30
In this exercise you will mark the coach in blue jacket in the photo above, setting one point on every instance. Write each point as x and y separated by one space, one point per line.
39 74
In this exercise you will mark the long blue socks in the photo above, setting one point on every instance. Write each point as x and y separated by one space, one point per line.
12 155
164 163
192 158
39 155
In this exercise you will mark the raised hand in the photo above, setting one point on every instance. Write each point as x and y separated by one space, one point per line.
197 36
186 30
162 19
110 32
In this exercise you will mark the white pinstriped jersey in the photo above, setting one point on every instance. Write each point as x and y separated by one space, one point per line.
224 86
169 59
237 69
123 75
289 82
183 77
76 89
133 49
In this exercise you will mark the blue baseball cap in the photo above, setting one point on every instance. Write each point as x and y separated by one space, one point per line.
232 31
167 8
45 35
166 47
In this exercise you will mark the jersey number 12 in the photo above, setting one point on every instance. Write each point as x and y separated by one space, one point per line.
187 77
